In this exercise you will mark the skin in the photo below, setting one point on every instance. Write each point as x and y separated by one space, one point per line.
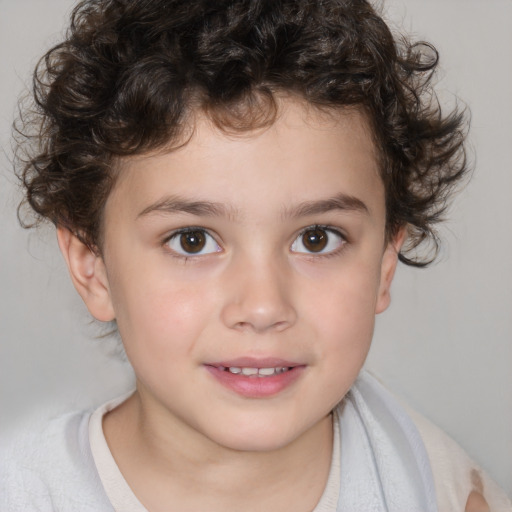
256 291
477 503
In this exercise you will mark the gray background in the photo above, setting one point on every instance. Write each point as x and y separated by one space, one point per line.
444 345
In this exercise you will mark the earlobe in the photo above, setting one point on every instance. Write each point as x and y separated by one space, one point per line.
88 273
388 267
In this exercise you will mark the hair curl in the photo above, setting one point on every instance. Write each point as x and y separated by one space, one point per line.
130 72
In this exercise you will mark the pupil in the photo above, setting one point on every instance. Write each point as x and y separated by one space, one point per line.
193 241
315 240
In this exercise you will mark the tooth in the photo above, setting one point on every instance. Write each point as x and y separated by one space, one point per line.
266 371
234 369
250 371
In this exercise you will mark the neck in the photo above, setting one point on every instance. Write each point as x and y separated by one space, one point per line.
165 462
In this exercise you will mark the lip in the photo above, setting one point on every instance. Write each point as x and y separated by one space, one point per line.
256 362
256 387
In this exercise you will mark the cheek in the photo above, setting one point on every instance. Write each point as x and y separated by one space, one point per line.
160 328
343 310
158 314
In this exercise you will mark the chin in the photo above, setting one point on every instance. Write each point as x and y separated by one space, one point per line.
260 439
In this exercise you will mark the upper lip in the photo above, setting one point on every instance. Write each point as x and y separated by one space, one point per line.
255 362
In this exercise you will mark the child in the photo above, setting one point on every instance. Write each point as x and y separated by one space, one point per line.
233 184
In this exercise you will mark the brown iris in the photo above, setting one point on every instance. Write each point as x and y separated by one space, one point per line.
315 239
192 241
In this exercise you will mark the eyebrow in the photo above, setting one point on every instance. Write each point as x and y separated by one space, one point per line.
340 201
180 205
176 204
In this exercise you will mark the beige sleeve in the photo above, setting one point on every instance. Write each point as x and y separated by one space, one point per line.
455 473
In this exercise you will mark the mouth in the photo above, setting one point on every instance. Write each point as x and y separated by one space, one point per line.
248 371
256 378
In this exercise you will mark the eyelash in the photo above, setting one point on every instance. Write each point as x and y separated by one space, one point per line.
194 229
329 230
191 229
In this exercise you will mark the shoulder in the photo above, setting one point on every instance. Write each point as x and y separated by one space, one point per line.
47 466
456 474
452 472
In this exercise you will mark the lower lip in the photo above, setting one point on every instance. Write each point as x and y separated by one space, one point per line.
254 386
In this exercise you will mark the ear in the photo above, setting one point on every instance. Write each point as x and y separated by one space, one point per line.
387 271
88 274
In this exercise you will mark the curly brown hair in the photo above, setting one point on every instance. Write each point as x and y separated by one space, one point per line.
130 72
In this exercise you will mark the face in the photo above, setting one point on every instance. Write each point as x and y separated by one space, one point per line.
261 253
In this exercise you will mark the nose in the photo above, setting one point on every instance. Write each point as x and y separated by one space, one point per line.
258 298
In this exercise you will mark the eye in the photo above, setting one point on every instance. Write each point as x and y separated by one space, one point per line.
192 241
318 240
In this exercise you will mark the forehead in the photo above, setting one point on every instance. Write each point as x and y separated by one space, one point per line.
305 154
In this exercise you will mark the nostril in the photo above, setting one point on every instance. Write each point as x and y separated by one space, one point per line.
281 326
261 327
241 326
